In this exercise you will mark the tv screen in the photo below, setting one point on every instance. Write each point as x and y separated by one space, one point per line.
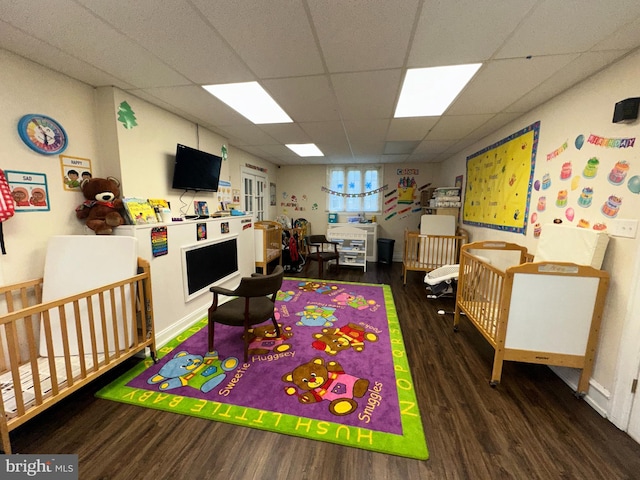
196 170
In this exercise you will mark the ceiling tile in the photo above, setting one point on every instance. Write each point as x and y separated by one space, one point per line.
273 38
201 103
286 132
178 36
451 127
500 83
304 98
367 95
464 31
410 128
568 27
376 32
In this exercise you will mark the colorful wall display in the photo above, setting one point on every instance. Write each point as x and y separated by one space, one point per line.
74 171
499 179
585 186
29 191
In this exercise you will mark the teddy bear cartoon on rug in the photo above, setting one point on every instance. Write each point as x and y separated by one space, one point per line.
263 339
319 381
334 340
186 369
316 316
101 209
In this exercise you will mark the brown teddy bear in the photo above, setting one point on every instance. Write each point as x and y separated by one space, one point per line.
101 209
319 381
334 340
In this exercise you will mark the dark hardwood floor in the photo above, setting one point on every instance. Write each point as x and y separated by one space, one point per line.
530 427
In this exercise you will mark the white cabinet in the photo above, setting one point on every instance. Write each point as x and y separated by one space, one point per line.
174 307
371 230
352 245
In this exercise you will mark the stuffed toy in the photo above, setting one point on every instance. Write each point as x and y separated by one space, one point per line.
101 209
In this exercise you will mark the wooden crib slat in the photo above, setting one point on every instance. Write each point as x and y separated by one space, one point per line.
65 345
79 336
134 314
103 324
114 323
33 355
125 317
46 322
13 348
92 332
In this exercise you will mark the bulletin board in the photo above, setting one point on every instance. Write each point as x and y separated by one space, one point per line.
499 179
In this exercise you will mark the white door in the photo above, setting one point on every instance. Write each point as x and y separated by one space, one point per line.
625 408
634 418
254 188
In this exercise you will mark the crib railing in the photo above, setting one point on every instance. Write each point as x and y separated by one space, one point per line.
424 253
32 383
481 288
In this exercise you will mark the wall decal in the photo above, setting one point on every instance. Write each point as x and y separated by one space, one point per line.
126 116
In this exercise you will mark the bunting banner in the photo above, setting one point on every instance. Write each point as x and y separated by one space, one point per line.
354 195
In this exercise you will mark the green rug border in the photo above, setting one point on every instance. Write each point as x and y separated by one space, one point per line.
412 444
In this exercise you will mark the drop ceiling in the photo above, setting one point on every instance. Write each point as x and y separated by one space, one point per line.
335 66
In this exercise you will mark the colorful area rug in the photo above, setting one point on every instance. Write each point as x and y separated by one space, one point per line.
338 373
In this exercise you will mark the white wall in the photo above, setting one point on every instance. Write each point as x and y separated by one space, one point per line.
28 88
140 157
305 184
585 109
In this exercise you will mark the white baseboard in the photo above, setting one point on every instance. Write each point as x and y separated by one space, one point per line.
180 326
597 397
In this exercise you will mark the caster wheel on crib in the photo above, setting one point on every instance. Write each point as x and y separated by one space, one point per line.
579 395
455 329
493 384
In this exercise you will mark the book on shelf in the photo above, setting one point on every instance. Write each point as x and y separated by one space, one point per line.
201 208
139 211
162 208
158 202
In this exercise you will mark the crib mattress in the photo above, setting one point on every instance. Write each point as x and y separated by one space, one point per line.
565 243
26 380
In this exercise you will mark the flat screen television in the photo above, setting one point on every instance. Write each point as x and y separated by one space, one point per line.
196 170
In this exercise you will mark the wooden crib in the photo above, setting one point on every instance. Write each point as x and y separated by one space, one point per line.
107 342
537 312
423 253
268 241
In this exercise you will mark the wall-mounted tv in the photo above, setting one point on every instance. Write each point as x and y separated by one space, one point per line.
196 170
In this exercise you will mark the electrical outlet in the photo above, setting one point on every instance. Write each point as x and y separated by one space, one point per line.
623 227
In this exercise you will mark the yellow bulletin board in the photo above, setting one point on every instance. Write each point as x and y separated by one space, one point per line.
499 181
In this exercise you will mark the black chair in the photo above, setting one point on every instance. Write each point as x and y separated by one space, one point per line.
316 251
255 302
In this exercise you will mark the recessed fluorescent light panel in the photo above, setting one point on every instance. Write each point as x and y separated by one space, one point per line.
305 149
250 100
428 92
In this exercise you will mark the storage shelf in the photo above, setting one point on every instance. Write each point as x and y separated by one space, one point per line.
352 245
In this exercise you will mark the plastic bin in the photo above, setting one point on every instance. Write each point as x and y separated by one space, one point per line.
385 250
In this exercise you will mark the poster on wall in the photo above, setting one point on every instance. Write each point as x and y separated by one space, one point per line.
74 171
499 178
29 191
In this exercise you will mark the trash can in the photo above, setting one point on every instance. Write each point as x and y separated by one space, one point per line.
385 250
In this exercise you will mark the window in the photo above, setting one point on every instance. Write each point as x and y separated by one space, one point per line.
354 188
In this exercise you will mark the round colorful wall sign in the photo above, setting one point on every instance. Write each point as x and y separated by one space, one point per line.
42 134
